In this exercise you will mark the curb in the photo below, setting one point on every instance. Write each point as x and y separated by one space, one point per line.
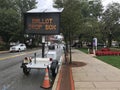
71 80
57 81
3 52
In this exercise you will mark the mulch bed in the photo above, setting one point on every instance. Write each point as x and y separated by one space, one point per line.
77 64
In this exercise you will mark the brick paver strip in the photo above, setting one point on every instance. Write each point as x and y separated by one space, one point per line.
65 80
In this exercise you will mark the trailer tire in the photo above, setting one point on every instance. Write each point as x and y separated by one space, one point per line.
54 68
26 70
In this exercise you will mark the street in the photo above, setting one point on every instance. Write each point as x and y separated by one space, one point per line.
12 77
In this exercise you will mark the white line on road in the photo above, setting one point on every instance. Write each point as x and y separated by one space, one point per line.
16 55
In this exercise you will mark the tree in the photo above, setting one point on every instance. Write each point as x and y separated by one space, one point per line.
25 5
22 7
11 20
8 20
91 24
8 28
81 18
111 22
69 17
7 4
58 4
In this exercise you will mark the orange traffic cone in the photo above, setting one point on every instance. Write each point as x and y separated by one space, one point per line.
46 82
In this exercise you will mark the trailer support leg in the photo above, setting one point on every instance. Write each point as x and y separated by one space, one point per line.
43 46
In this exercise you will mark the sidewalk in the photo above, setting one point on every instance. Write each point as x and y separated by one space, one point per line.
95 75
90 73
1 52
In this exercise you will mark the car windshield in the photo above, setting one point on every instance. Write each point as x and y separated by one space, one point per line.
19 45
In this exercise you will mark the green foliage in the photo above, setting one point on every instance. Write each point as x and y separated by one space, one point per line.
85 50
111 15
112 60
111 21
25 5
80 18
70 17
6 4
95 8
58 4
11 18
8 23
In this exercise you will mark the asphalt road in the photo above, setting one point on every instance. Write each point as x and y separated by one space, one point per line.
12 77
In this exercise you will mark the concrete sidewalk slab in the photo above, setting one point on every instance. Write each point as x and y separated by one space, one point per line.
95 75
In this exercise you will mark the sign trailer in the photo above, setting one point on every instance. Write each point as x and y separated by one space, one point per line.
43 23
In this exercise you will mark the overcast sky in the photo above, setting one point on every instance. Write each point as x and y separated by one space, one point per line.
106 2
48 3
44 3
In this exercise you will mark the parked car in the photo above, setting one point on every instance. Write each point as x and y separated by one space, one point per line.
18 47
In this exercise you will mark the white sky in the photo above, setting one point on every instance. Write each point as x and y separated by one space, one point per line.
106 2
44 3
48 3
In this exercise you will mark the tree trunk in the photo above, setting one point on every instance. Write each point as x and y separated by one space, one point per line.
109 40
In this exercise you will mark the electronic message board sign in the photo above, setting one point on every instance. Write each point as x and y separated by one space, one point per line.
42 23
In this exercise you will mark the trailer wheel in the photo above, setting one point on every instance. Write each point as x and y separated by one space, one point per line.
54 68
19 50
26 70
